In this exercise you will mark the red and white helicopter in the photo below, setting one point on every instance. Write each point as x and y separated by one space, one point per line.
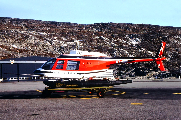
83 70
83 64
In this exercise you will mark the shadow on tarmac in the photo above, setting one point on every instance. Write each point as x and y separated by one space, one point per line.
119 93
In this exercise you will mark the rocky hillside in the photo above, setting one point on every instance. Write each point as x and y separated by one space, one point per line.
26 37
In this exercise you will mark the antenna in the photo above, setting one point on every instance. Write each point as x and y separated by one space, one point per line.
77 44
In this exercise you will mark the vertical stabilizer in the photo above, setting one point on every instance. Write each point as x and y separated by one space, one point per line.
160 52
159 57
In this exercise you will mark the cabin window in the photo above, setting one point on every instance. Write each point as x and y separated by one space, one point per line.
73 65
60 64
49 64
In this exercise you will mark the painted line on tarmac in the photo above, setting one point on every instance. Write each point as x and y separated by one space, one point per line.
176 93
95 97
136 103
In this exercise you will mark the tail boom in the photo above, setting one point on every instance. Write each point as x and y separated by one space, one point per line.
158 59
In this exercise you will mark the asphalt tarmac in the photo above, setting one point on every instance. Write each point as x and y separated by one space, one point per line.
141 99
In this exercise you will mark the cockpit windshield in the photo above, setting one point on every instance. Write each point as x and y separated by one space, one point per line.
49 64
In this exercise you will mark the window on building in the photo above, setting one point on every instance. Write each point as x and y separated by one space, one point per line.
73 65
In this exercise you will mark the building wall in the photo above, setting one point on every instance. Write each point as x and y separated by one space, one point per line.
10 70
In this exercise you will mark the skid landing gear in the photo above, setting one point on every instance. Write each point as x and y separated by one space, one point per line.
100 91
90 86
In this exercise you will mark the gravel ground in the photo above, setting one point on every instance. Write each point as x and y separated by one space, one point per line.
75 108
139 100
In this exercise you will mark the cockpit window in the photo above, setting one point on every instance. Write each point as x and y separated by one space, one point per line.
60 64
73 65
49 64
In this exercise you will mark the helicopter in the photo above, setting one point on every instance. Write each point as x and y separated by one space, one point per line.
83 69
